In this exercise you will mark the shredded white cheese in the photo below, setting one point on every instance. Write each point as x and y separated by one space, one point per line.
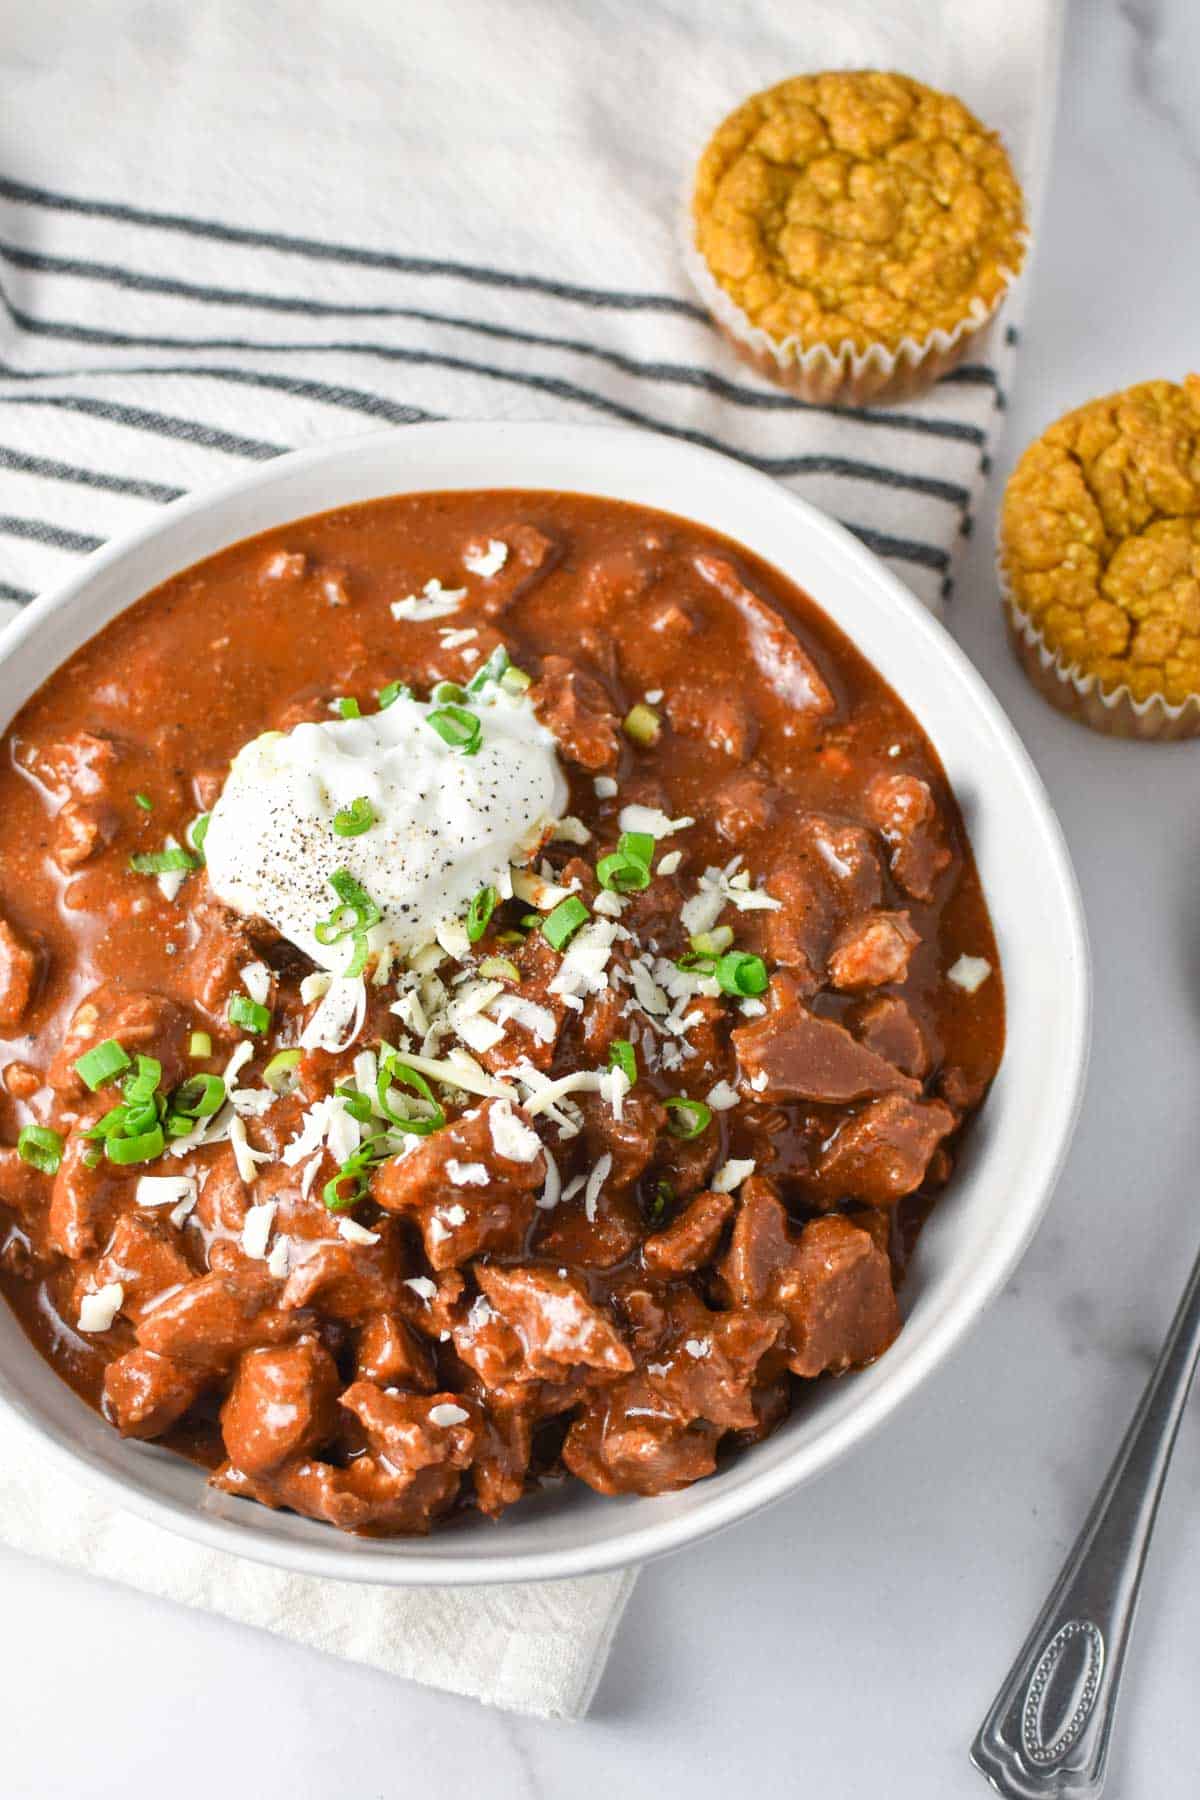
256 979
595 1182
97 1311
511 1138
604 787
354 1233
433 602
651 819
422 1287
256 1229
486 562
446 1414
969 973
463 1174
731 1175
165 1190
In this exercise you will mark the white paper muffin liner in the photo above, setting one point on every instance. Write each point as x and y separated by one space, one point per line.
846 376
1073 691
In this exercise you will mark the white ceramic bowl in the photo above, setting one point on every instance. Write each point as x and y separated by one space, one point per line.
977 1232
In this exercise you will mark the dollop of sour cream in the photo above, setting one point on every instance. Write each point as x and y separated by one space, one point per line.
444 825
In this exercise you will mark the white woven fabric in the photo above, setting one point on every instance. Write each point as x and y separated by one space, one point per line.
230 229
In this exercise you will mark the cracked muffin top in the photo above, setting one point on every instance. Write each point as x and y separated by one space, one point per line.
858 207
1100 539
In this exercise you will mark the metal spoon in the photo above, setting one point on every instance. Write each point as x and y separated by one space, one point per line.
1050 1726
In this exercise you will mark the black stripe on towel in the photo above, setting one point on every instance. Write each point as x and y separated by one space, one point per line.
41 531
137 489
348 253
692 375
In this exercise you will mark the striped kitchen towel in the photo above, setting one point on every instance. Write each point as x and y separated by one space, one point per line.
232 229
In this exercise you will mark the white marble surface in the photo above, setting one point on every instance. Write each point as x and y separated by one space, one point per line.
846 1643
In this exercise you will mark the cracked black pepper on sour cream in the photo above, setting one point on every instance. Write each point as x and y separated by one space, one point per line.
443 823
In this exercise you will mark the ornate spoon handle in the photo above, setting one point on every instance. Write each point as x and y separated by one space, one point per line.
1050 1726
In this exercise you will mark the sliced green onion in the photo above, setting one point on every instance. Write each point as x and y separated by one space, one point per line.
739 973
391 692
357 1105
142 1116
621 1056
560 926
162 862
98 1065
492 670
446 693
712 943
111 1124
356 1169
40 1147
696 964
480 911
395 1073
197 831
357 912
140 1088
199 1097
511 937
626 870
353 820
664 1196
249 1014
199 1046
277 1073
142 1148
349 708
642 724
687 1118
514 680
331 1193
461 729
499 968
144 801
92 1157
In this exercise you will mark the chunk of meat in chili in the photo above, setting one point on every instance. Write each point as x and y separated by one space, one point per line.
144 1256
576 709
412 1432
209 1322
145 1394
368 1495
791 1053
833 1285
535 1325
906 813
142 1023
872 951
282 1403
690 1240
881 1153
80 1201
825 872
462 1218
627 1440
346 1282
886 1026
24 1190
18 974
390 1353
775 649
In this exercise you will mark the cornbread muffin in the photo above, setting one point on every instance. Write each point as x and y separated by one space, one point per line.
1100 560
852 232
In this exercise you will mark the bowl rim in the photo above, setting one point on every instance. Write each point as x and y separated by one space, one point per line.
717 1507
